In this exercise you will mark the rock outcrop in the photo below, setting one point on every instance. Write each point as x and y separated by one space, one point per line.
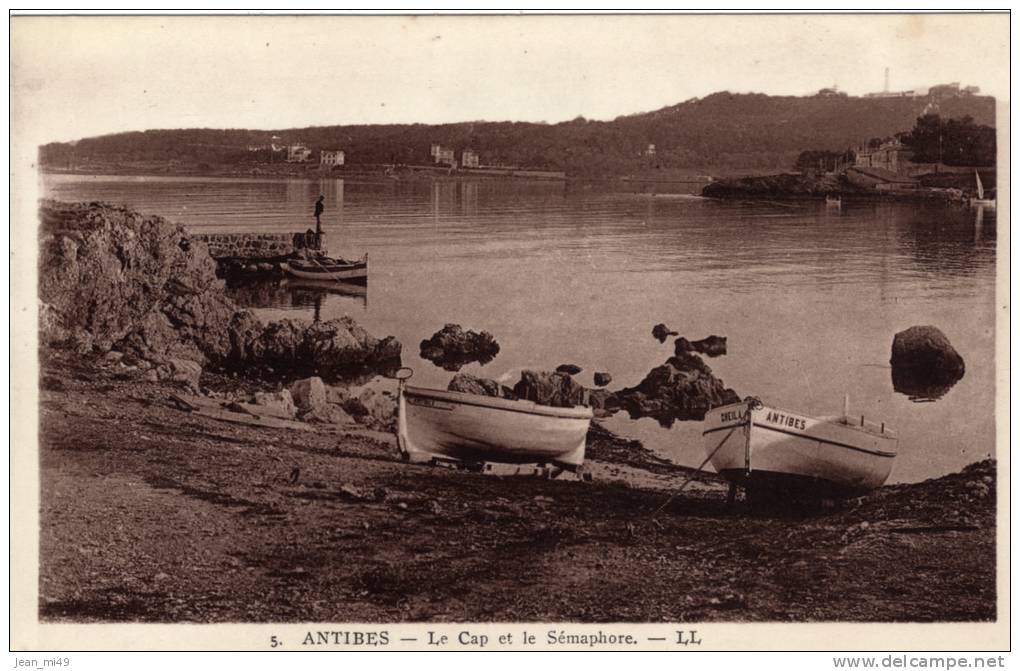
602 379
683 388
660 332
786 185
924 363
111 278
569 368
480 386
112 275
556 389
712 346
451 348
332 348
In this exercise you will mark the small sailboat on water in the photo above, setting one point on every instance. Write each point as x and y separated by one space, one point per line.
981 200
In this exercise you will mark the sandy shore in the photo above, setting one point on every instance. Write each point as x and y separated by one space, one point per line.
153 514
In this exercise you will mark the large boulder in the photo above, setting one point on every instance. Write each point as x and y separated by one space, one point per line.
367 406
683 388
602 379
924 362
276 403
451 348
309 394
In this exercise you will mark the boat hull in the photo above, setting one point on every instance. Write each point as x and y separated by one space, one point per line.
434 424
349 272
769 449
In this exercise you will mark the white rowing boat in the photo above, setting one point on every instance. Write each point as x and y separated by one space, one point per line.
436 425
325 268
767 449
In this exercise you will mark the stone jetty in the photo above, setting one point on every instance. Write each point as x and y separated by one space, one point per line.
255 252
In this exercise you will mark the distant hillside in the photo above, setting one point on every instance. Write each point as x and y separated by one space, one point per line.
720 131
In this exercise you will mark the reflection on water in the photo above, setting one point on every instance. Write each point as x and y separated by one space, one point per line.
920 388
296 294
808 296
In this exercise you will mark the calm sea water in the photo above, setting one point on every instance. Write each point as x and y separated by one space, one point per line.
809 296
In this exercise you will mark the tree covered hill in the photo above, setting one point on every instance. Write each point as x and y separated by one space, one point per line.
720 131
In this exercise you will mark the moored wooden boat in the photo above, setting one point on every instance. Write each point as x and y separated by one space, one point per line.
325 268
446 425
770 450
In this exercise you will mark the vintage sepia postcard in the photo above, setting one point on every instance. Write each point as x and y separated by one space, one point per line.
510 332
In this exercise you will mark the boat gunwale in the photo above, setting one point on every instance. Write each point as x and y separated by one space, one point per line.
805 436
882 436
319 267
495 403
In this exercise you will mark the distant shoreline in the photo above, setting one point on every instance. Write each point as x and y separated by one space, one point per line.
371 173
366 175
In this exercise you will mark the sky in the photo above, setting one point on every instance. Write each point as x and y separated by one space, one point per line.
76 77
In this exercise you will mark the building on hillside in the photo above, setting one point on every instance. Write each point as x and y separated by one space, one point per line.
298 153
832 92
331 157
650 150
276 144
469 159
442 155
891 155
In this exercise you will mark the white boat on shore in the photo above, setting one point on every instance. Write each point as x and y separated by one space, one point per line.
436 425
326 268
768 450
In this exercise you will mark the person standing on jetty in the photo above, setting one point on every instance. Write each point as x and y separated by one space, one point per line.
319 209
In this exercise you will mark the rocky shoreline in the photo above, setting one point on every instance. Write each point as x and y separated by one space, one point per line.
795 186
151 513
276 493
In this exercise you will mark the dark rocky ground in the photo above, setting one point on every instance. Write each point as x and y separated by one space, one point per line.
152 514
